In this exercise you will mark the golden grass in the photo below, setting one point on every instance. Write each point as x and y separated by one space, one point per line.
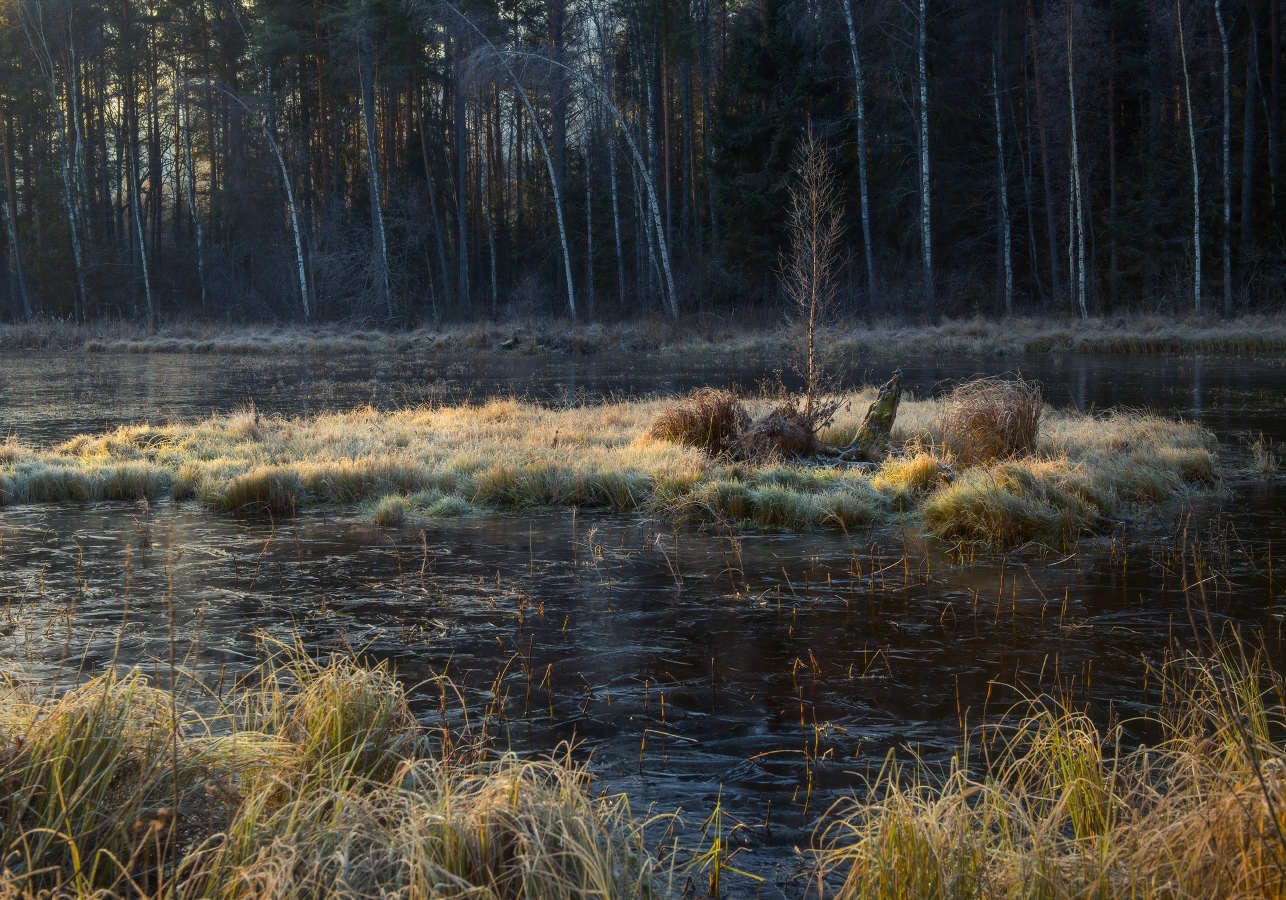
317 782
1054 812
711 420
991 418
452 460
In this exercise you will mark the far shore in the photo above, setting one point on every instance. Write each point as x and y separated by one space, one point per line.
658 337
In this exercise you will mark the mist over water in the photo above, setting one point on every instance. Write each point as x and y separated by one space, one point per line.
763 670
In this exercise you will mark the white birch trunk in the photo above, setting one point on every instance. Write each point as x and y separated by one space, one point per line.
861 153
290 191
39 45
142 245
373 165
925 234
1227 165
1196 175
1003 190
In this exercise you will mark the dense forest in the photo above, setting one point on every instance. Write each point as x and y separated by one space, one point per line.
406 161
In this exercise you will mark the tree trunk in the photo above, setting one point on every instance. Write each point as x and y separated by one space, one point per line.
1227 163
11 194
461 179
196 218
1248 139
1076 172
926 240
616 218
1196 177
1044 158
1274 85
1115 275
861 154
367 68
483 172
1002 190
433 199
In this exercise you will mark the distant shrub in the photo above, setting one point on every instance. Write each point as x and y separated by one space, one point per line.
990 418
711 420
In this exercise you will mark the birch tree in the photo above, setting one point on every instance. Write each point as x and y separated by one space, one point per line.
861 151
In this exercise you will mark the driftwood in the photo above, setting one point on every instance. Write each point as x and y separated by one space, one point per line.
874 439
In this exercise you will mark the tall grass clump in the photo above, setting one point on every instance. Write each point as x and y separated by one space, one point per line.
712 420
1057 810
990 418
314 782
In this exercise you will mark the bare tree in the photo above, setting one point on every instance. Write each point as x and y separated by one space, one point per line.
810 270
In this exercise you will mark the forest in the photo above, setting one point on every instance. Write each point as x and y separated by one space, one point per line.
400 162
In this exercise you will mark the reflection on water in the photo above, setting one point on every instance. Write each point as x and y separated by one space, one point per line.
773 668
46 397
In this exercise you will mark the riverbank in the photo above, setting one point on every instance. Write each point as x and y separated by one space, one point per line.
878 339
438 461
314 779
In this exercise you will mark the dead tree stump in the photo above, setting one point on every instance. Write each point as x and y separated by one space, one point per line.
874 439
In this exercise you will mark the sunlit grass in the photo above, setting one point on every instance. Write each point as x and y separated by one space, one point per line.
1048 807
438 461
316 781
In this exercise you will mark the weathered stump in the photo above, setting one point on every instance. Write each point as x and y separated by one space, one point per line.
874 439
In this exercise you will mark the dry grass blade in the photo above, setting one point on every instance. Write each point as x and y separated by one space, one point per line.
1060 814
314 782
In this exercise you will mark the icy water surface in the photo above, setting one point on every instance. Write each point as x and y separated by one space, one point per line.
767 671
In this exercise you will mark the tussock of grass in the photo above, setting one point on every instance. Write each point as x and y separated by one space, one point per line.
317 782
448 460
990 418
711 419
1056 814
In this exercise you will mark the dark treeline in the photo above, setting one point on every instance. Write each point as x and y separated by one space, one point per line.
402 161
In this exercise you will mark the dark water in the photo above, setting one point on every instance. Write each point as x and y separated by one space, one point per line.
765 671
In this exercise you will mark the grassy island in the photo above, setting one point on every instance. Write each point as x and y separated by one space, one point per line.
433 461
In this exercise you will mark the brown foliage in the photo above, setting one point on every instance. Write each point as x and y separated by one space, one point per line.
786 431
990 418
710 419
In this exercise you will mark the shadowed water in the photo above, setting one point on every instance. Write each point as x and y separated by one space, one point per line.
764 670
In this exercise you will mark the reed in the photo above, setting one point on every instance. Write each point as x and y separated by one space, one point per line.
314 782
1059 811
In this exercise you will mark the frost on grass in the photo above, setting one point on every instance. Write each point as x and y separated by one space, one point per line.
442 461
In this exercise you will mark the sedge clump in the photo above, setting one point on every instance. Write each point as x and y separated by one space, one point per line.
712 420
987 419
